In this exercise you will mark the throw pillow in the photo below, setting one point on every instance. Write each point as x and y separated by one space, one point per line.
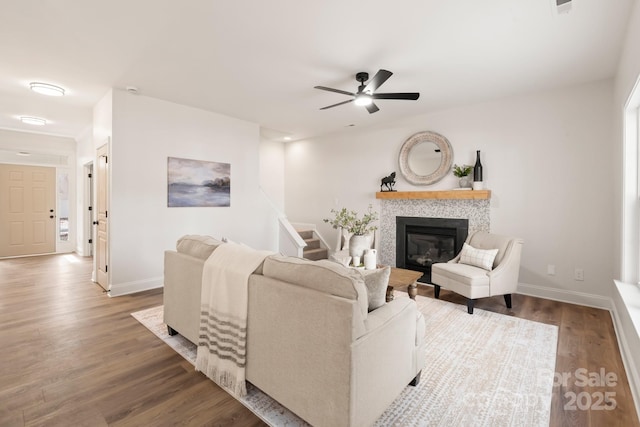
376 282
482 258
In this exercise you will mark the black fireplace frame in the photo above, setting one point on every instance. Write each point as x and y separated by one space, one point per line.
460 225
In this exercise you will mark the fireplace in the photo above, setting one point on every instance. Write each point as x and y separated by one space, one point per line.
421 242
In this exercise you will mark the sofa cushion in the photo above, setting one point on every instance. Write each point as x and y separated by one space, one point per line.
462 273
197 246
324 276
376 282
482 258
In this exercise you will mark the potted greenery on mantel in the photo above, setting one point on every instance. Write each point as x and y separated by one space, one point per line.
463 173
357 232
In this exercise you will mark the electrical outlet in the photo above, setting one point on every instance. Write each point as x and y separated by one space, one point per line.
578 274
551 270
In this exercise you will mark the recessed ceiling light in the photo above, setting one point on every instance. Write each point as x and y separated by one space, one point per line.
33 121
46 89
287 138
23 153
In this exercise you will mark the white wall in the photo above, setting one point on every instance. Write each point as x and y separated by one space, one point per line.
547 159
145 132
272 171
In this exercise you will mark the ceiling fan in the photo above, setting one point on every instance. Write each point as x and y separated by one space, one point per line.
366 93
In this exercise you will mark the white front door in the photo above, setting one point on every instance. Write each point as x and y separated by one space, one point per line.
27 210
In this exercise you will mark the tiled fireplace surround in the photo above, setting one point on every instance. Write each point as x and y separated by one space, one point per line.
476 211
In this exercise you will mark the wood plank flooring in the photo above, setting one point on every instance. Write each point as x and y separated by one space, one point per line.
71 356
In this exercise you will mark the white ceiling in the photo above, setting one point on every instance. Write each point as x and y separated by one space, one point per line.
259 60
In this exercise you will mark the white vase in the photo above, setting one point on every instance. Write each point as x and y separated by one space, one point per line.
370 259
346 236
358 244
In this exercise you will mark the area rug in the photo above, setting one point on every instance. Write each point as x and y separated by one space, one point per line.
485 369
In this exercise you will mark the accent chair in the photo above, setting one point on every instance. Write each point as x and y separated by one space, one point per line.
487 265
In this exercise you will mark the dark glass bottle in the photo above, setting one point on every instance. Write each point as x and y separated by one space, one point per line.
477 169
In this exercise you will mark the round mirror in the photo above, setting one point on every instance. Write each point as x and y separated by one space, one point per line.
425 158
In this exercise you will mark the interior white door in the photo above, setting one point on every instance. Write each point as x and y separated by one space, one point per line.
102 218
27 210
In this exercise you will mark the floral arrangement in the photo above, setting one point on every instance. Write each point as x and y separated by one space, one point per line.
349 221
463 170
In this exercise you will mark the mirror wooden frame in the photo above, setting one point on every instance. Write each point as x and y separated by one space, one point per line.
445 162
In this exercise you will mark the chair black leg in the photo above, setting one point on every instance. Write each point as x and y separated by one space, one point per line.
436 291
507 300
470 303
414 382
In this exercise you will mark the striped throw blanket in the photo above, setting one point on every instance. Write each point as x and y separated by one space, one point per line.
222 346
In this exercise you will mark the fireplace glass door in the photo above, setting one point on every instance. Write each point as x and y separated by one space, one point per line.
422 242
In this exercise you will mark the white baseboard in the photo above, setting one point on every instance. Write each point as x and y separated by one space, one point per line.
119 289
562 295
624 313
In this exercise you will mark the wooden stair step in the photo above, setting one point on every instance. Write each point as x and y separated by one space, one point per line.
312 243
305 234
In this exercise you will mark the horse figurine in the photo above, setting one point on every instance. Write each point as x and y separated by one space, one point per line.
388 182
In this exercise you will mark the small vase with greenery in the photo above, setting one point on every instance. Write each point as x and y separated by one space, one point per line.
357 232
463 173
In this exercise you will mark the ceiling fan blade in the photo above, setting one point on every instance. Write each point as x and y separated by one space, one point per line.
408 95
339 103
372 108
344 92
377 80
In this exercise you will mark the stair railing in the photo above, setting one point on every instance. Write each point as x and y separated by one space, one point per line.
289 241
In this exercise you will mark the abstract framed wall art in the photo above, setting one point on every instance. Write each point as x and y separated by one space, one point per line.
197 183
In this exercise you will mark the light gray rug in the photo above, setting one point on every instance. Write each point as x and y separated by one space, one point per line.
485 369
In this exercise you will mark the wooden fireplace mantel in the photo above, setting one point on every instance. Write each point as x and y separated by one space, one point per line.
442 194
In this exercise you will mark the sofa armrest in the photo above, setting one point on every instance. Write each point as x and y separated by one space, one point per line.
182 288
385 359
386 313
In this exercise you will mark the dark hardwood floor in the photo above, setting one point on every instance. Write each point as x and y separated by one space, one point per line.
71 356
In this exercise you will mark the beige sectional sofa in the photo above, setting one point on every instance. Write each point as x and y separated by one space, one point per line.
312 345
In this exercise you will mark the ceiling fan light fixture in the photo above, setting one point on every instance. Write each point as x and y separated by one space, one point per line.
363 99
46 89
36 121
